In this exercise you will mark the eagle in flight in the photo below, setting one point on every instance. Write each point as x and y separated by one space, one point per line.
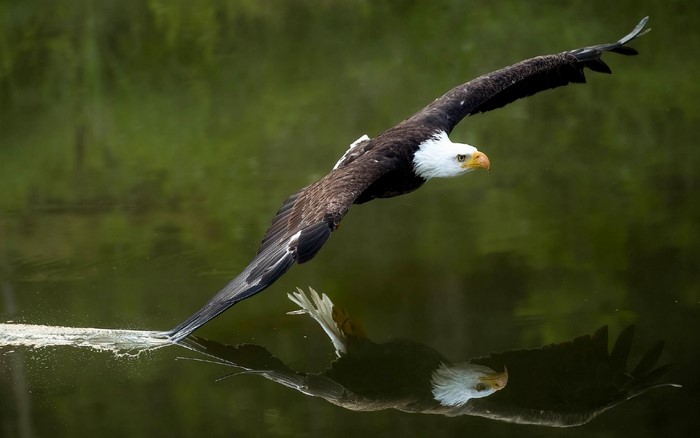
395 162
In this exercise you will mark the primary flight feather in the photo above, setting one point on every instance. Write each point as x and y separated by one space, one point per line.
396 162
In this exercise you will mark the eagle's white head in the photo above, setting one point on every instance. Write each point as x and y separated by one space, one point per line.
454 385
440 157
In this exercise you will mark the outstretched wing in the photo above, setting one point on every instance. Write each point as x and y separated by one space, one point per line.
499 88
297 232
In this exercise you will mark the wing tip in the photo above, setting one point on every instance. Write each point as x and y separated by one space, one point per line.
636 32
586 54
182 331
590 57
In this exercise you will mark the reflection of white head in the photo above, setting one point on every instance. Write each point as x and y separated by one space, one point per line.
454 385
438 157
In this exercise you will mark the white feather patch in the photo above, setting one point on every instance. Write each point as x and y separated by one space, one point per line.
353 145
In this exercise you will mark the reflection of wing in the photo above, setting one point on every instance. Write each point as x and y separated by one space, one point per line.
370 381
558 385
570 383
256 359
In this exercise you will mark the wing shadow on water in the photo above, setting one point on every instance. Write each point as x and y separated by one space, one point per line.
560 385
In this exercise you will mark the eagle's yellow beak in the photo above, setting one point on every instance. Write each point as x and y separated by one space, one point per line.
479 160
497 381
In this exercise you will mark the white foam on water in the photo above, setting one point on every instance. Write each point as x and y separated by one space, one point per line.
116 341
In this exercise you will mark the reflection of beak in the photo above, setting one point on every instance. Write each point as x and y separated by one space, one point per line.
496 380
479 160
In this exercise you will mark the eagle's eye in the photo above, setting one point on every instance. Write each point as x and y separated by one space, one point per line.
480 387
461 158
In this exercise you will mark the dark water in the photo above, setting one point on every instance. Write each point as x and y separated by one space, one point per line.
145 146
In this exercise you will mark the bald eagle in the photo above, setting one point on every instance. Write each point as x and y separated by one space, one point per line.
395 162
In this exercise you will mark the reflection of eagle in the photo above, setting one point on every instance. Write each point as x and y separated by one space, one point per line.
398 370
395 162
561 385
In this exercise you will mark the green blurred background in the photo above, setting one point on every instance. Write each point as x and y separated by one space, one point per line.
145 145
